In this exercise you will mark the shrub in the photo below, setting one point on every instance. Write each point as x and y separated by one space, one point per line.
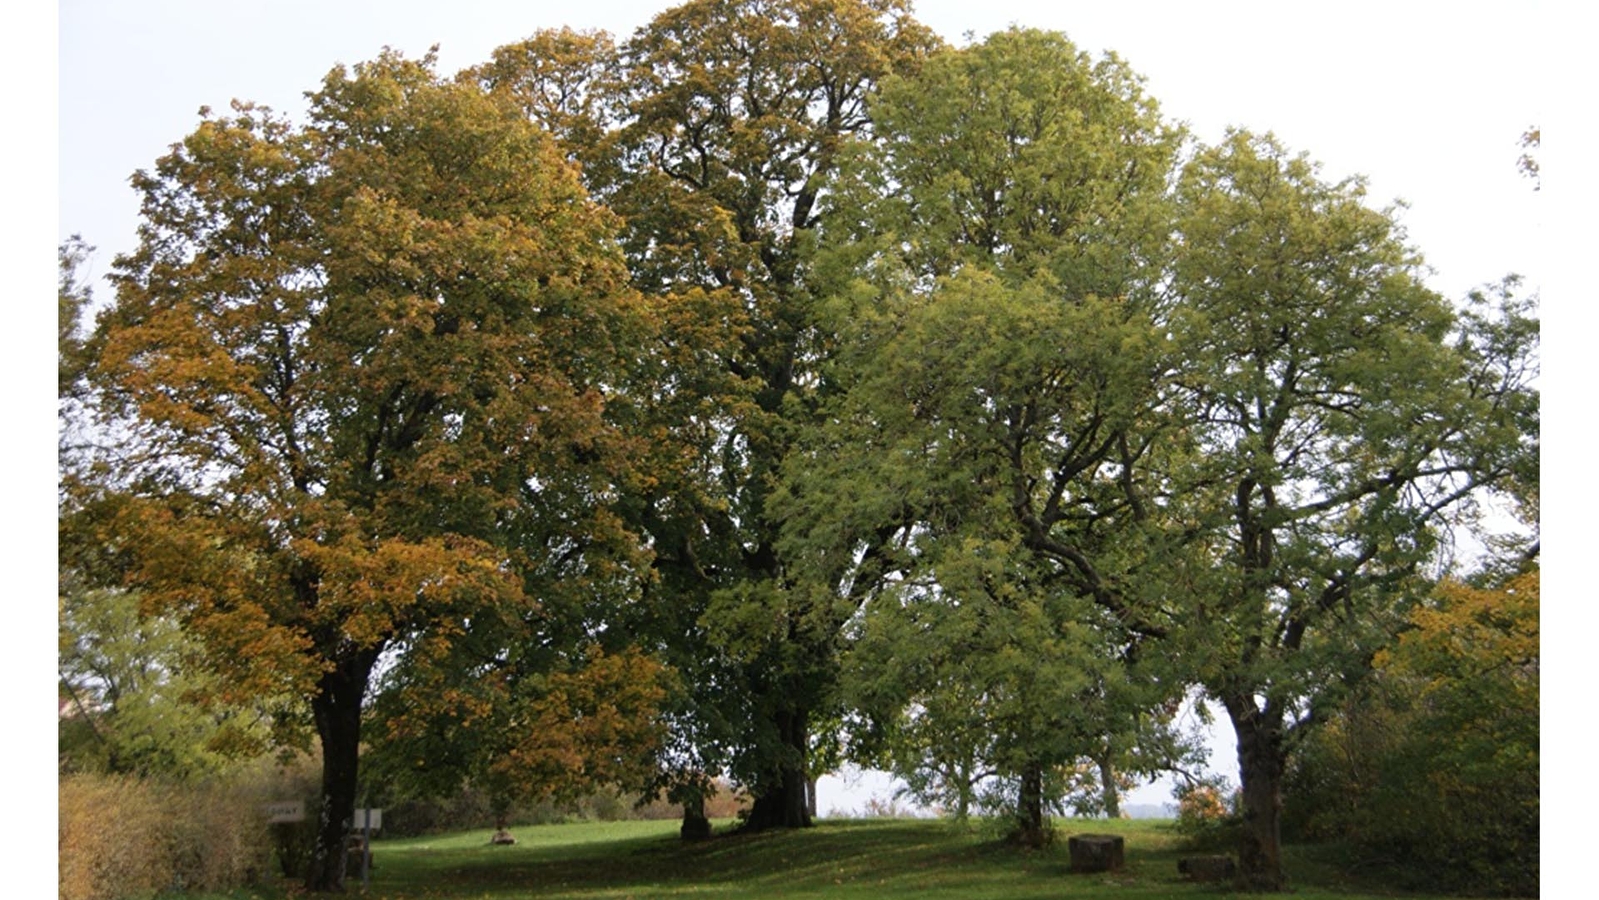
125 837
1208 814
107 847
1431 771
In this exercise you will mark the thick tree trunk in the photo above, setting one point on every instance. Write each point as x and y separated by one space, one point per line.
782 801
1030 828
337 711
1261 759
1110 795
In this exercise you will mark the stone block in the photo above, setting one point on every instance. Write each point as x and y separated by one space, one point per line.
1096 852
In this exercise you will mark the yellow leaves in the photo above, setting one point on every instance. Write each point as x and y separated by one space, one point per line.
1472 630
367 366
596 724
373 588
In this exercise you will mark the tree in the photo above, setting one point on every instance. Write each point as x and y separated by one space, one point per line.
992 259
1432 767
132 701
360 368
970 675
712 131
1346 418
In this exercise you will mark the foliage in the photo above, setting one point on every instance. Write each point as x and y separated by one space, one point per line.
1531 142
362 366
130 693
776 385
1085 792
124 837
967 684
711 132
990 258
1345 417
1432 771
1209 814
1020 154
72 301
877 807
546 733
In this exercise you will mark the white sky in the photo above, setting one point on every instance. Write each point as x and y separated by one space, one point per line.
1427 99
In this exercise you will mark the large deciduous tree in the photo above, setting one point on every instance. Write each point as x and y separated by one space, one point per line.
1347 417
712 132
359 373
992 259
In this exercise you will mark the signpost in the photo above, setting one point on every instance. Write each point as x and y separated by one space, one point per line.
279 811
283 812
281 816
369 819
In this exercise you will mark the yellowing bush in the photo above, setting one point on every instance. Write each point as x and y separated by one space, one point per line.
123 837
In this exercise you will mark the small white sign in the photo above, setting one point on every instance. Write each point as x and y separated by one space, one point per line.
359 823
285 811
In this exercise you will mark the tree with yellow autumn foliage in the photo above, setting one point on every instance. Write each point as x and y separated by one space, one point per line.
359 373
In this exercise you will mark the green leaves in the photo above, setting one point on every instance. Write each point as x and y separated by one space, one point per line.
133 699
832 365
993 254
1345 414
1018 153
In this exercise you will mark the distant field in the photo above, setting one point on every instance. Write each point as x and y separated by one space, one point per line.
874 858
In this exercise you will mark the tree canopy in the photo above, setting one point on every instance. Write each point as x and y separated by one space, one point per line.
363 366
1345 416
774 386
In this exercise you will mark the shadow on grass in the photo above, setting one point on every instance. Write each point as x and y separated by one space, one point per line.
870 858
837 859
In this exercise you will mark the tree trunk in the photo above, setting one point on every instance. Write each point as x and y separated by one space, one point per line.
696 827
782 801
1261 759
1030 829
337 711
1109 793
810 797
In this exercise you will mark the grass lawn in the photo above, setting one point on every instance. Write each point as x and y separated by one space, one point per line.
875 858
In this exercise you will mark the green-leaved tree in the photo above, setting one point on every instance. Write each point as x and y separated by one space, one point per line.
992 261
1347 417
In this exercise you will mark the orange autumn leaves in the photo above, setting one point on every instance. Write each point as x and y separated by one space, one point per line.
366 375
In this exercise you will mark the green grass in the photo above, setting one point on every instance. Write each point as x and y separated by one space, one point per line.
874 858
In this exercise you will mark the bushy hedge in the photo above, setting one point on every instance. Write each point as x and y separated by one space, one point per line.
123 837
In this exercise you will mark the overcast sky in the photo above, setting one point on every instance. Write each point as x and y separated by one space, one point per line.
1428 100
